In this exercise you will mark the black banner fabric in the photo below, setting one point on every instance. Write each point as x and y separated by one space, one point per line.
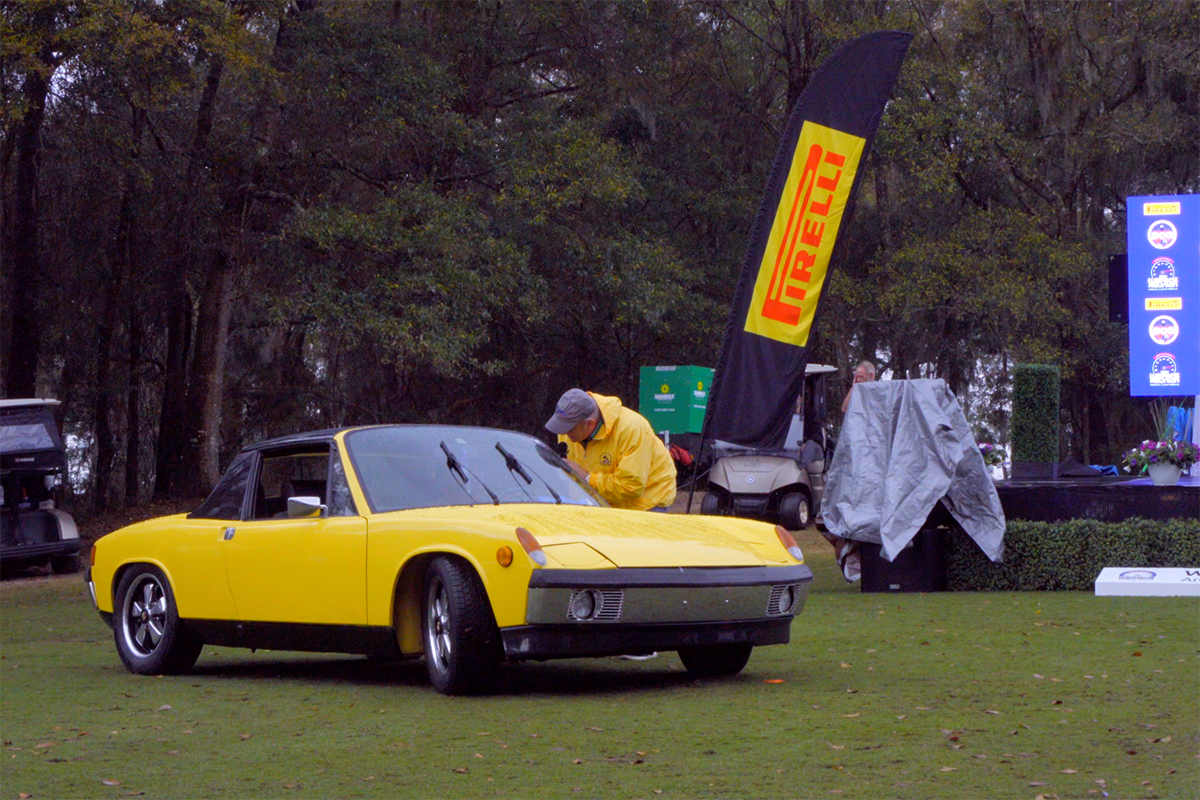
794 243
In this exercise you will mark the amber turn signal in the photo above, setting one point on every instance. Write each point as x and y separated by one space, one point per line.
92 557
531 547
789 543
504 556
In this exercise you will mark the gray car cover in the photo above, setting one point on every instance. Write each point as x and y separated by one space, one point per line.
904 446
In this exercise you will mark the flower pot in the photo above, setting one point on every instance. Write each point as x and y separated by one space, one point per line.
1164 474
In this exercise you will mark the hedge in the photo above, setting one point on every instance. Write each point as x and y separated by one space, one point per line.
1040 556
1035 413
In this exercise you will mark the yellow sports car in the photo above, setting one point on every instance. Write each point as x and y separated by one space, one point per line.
469 546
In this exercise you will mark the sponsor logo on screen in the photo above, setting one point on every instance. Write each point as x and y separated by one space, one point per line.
1162 275
1164 303
1164 329
1163 371
800 243
1162 234
1161 209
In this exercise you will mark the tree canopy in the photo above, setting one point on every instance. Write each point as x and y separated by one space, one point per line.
230 220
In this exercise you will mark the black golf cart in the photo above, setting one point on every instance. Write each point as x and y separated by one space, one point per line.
33 462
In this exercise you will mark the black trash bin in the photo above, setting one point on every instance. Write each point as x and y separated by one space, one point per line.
921 567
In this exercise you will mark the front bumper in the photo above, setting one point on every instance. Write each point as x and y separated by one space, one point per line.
577 641
649 609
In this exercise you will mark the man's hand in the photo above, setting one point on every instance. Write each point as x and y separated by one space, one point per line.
578 469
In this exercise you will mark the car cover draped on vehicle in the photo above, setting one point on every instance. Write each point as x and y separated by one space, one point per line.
904 446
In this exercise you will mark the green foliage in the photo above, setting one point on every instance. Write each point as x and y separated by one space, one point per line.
1068 555
1035 413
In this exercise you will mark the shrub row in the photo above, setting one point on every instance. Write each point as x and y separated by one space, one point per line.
1041 556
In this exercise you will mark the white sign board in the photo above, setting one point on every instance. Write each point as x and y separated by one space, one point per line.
1149 582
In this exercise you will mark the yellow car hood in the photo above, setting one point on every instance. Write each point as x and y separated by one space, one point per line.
575 535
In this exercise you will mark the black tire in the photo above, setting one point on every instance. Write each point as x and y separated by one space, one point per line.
462 642
150 637
715 660
711 504
65 565
795 511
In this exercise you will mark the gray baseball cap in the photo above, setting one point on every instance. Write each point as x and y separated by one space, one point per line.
573 407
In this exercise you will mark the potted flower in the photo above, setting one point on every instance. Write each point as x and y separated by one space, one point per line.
1163 460
993 456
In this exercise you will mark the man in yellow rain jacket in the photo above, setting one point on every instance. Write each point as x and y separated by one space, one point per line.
615 450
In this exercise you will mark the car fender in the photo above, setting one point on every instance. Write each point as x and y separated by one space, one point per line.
398 553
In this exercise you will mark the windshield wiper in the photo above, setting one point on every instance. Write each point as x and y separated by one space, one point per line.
456 466
452 463
514 465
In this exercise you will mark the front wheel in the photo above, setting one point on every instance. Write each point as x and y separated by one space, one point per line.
795 512
715 660
711 505
151 639
462 642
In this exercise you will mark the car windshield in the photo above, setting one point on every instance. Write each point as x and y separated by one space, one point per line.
406 467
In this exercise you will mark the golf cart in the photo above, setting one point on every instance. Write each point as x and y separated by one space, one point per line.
782 486
33 462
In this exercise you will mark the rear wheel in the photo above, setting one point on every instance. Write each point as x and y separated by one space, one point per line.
715 660
151 639
795 511
462 642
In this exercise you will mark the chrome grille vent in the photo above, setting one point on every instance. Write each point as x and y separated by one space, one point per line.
608 606
783 599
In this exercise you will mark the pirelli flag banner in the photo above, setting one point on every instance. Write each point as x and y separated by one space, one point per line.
794 244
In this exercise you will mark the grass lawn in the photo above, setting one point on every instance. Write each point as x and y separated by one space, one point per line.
912 696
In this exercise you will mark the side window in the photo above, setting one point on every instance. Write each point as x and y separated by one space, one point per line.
341 502
225 502
289 474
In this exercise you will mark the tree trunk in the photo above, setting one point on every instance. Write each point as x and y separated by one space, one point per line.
200 467
172 430
133 404
22 253
201 461
119 257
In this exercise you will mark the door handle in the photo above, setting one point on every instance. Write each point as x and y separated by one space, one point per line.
228 534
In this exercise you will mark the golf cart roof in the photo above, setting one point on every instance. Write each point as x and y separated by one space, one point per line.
30 402
817 369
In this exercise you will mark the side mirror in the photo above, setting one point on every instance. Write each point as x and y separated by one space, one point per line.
304 507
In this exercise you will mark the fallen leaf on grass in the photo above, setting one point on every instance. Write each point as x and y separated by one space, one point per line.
838 746
989 711
44 745
948 769
593 729
1070 771
1038 783
163 707
108 782
773 680
577 761
1152 741
1039 677
24 796
844 665
461 770
479 755
855 714
1136 653
243 736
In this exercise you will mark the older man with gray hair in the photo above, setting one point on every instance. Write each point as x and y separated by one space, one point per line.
863 373
614 449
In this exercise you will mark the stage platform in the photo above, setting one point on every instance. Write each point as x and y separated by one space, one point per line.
1106 499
